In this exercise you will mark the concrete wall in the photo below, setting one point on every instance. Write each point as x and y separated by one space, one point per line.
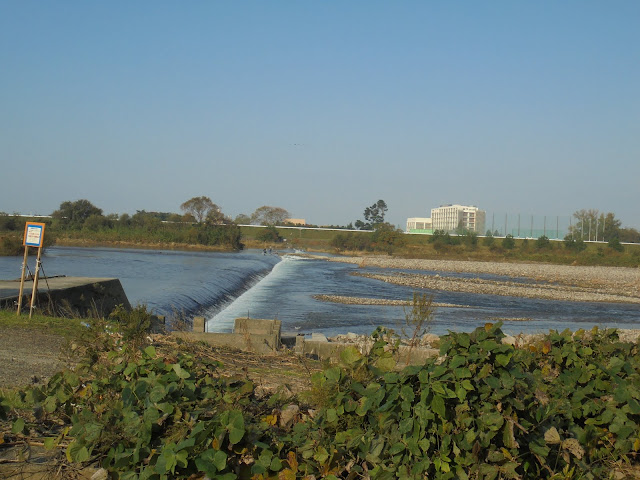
249 334
78 296
263 337
262 344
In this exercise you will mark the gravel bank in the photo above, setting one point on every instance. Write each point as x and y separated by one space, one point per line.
556 282
378 301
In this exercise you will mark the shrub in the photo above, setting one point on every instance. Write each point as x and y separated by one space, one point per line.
543 243
576 243
11 245
489 239
615 244
508 242
269 234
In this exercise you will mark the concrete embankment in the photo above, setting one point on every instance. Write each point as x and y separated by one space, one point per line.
79 296
263 336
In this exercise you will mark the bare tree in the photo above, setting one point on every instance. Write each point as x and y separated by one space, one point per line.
266 215
199 207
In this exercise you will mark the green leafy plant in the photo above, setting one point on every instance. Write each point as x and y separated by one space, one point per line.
567 406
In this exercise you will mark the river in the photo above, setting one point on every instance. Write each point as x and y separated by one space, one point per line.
223 286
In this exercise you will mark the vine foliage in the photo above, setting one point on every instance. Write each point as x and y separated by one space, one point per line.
565 407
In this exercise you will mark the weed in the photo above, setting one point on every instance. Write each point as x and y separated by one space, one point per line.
419 319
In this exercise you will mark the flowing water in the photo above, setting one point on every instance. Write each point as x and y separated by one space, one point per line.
224 286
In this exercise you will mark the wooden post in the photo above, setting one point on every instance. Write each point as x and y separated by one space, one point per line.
24 267
35 282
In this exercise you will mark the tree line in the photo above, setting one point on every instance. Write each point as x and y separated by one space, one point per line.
201 222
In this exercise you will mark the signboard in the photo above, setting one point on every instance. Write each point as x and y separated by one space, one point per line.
33 234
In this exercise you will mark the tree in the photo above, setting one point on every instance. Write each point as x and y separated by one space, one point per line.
593 225
199 207
373 215
216 217
266 215
243 219
629 235
95 223
73 214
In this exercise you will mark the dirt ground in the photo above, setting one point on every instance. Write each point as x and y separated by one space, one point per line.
31 357
28 356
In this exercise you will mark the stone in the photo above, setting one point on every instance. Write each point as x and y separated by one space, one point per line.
100 474
288 415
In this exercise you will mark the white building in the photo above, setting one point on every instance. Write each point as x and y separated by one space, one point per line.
419 225
452 217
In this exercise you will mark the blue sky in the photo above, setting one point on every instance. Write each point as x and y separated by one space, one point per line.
322 108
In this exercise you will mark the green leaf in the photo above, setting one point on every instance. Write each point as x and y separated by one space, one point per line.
157 393
321 455
407 393
350 356
437 405
396 448
76 452
492 420
489 345
405 425
220 460
332 415
457 361
180 372
150 351
634 406
438 388
236 427
18 426
503 358
333 374
462 372
50 442
386 363
211 458
538 449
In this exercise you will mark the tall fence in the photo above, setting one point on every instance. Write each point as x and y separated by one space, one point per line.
521 225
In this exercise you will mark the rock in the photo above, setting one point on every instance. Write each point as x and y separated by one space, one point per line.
429 339
288 415
509 340
100 474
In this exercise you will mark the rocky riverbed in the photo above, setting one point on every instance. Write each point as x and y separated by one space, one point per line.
553 282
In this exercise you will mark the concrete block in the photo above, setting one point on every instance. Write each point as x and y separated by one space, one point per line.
199 324
262 344
319 337
257 325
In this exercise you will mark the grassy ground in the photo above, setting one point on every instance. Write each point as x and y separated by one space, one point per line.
414 246
418 246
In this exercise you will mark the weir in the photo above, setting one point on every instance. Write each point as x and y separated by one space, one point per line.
82 296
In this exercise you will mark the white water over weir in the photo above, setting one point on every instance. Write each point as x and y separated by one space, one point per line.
248 304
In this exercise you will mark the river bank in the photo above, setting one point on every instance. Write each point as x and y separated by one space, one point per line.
552 282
